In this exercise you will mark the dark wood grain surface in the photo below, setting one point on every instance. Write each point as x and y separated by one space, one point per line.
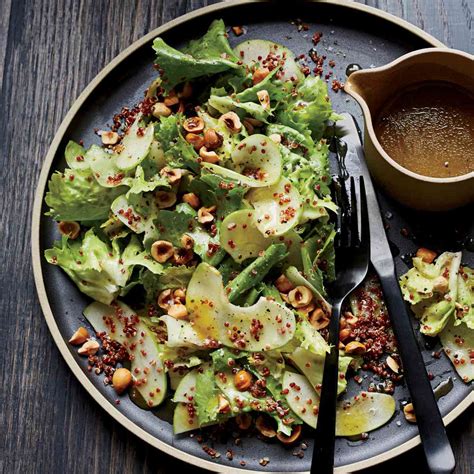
49 51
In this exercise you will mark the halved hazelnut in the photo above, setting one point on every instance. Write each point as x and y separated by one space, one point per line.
160 110
212 139
264 427
238 30
264 98
224 405
307 309
409 413
300 296
173 175
318 319
79 337
205 214
187 241
344 334
197 141
260 74
393 364
165 299
294 436
178 311
244 421
165 199
283 284
179 294
109 137
121 380
162 250
350 319
194 124
275 137
70 229
192 199
182 256
426 255
171 100
208 156
355 347
89 348
232 121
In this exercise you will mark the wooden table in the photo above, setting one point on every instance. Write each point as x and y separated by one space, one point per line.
49 51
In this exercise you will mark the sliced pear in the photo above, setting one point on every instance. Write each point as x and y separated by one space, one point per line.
184 419
135 145
277 207
142 346
181 333
241 239
365 412
104 167
186 389
264 326
254 51
257 162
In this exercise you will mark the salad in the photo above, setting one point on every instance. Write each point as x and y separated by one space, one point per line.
201 229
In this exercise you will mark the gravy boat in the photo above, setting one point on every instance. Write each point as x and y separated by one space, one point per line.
372 88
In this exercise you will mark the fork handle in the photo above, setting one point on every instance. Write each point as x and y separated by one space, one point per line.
323 453
438 452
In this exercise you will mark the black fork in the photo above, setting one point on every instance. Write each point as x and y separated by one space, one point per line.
352 263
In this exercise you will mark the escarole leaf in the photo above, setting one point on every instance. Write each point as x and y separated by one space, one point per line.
208 55
75 195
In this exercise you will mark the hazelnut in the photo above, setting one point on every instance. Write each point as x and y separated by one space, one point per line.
109 137
171 100
393 364
89 348
294 436
264 427
238 30
121 380
173 175
275 137
318 319
300 296
197 141
179 294
181 107
186 92
254 122
260 74
212 139
264 99
165 299
178 311
208 156
244 421
232 121
344 334
187 241
350 319
426 255
79 337
409 413
440 284
192 199
182 256
205 214
248 126
242 380
71 229
162 250
224 405
355 347
165 199
194 124
283 284
160 110
307 309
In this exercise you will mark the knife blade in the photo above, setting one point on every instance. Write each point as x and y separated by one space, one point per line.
438 452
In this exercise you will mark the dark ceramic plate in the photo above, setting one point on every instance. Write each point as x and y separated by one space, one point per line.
352 33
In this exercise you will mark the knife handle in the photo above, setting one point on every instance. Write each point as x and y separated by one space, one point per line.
438 452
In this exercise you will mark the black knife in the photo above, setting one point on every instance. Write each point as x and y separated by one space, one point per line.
438 452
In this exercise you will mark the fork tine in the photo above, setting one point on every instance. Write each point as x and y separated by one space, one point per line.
364 221
345 214
336 194
354 218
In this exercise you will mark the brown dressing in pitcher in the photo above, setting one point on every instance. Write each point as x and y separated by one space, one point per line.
429 129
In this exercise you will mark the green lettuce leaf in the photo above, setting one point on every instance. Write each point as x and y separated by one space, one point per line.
465 300
171 277
206 397
75 195
208 55
310 339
